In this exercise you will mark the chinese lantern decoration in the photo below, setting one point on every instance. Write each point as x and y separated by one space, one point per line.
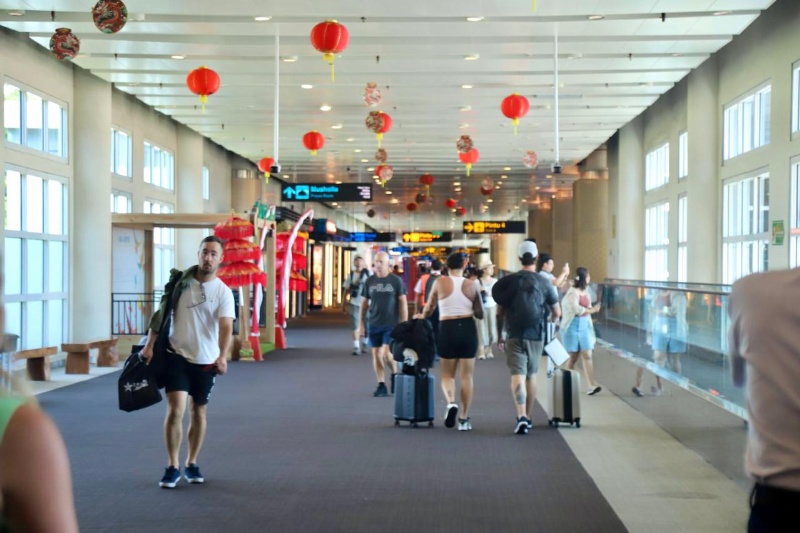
330 38
469 158
203 82
378 122
371 213
64 44
464 144
530 160
487 186
264 166
385 173
515 107
110 15
411 206
426 180
420 198
450 203
461 211
372 95
313 140
381 156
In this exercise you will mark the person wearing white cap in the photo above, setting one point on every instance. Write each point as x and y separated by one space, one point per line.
487 327
524 300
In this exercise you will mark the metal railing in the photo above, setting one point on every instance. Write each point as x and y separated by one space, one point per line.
131 312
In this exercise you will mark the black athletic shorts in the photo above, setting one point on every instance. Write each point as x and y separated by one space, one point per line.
457 338
197 380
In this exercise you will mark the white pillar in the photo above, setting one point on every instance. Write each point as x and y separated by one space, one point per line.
626 203
91 215
189 189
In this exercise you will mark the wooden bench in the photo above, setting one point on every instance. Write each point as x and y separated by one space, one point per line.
38 362
78 355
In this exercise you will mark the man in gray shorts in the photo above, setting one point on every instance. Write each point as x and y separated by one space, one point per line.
524 300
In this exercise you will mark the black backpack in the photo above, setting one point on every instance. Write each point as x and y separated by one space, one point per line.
355 288
528 308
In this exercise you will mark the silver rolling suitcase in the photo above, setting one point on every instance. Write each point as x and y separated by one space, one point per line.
565 394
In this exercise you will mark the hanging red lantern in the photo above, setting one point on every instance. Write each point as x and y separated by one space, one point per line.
380 123
372 95
411 206
426 180
264 165
464 144
486 192
515 107
530 160
420 198
203 82
469 158
330 38
384 173
461 211
450 203
313 140
371 213
110 15
64 44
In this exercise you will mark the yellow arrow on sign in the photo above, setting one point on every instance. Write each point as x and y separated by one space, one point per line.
468 227
406 237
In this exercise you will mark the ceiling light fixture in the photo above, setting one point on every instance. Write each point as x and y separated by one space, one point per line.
337 127
262 19
596 17
472 57
388 192
370 169
178 56
338 182
467 86
719 13
503 177
489 200
357 150
463 126
306 86
288 59
474 19
351 139
16 13
325 107
466 108
506 168
365 160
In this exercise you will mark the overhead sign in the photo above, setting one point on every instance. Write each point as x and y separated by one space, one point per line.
427 236
326 192
372 237
486 226
323 225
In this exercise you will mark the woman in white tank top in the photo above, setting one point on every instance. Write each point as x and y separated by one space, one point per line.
458 300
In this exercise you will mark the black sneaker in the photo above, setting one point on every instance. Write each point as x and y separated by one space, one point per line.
450 415
381 390
192 474
637 392
170 479
522 426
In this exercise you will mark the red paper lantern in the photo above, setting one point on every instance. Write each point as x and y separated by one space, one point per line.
384 173
330 38
464 144
461 211
313 140
411 206
203 82
265 164
110 15
64 44
380 123
450 203
486 192
426 180
469 158
514 107
530 160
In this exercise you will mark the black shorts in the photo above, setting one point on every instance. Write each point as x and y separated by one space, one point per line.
197 380
457 338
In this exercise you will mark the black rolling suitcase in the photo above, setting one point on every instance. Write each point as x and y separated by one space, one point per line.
413 398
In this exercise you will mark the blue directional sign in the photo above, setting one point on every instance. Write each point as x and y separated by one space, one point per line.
372 237
326 192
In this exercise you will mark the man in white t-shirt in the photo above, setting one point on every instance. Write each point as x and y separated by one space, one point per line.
354 293
200 339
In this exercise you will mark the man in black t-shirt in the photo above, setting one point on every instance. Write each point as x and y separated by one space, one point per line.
384 306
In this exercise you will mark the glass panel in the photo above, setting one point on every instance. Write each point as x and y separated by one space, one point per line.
147 177
34 322
55 322
156 166
123 154
206 184
55 208
12 108
33 121
55 139
765 117
13 198
56 261
35 266
14 318
113 149
34 214
13 265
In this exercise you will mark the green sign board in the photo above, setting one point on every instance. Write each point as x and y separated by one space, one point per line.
778 232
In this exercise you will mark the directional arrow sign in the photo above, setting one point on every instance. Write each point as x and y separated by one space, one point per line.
468 227
289 193
487 226
327 192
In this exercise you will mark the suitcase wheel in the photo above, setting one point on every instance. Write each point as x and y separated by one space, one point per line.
577 422
430 424
396 422
549 422
414 425
555 422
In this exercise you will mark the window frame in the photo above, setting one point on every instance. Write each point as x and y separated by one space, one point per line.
115 133
760 136
23 111
116 195
744 235
149 175
160 249
656 167
794 214
683 155
206 184
656 240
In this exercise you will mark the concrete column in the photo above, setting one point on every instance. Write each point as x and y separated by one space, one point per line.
562 230
189 189
91 229
626 202
245 189
703 196
590 226
540 227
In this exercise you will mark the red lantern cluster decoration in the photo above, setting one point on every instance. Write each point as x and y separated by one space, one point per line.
515 107
380 123
264 165
450 203
330 38
372 95
313 140
371 213
469 158
411 206
487 186
461 211
530 160
464 144
381 156
64 44
384 173
420 198
203 82
110 16
240 250
234 228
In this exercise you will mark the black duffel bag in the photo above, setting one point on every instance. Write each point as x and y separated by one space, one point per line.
137 387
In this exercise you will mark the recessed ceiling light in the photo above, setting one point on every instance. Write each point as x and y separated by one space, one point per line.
474 19
456 183
351 139
506 168
336 127
370 169
394 200
472 57
365 160
334 203
489 200
288 59
466 86
457 189
357 150
596 17
388 192
262 19
553 196
718 13
549 176
503 177
338 182
286 176
178 56
537 188
463 126
306 86
325 108
16 13
466 108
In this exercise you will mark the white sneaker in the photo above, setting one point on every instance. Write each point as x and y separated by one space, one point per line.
594 390
451 413
656 391
464 424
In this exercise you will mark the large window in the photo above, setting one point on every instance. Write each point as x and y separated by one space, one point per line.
121 202
121 147
163 245
32 121
656 167
794 227
796 97
745 227
158 167
746 123
35 257
206 184
683 233
656 242
683 155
